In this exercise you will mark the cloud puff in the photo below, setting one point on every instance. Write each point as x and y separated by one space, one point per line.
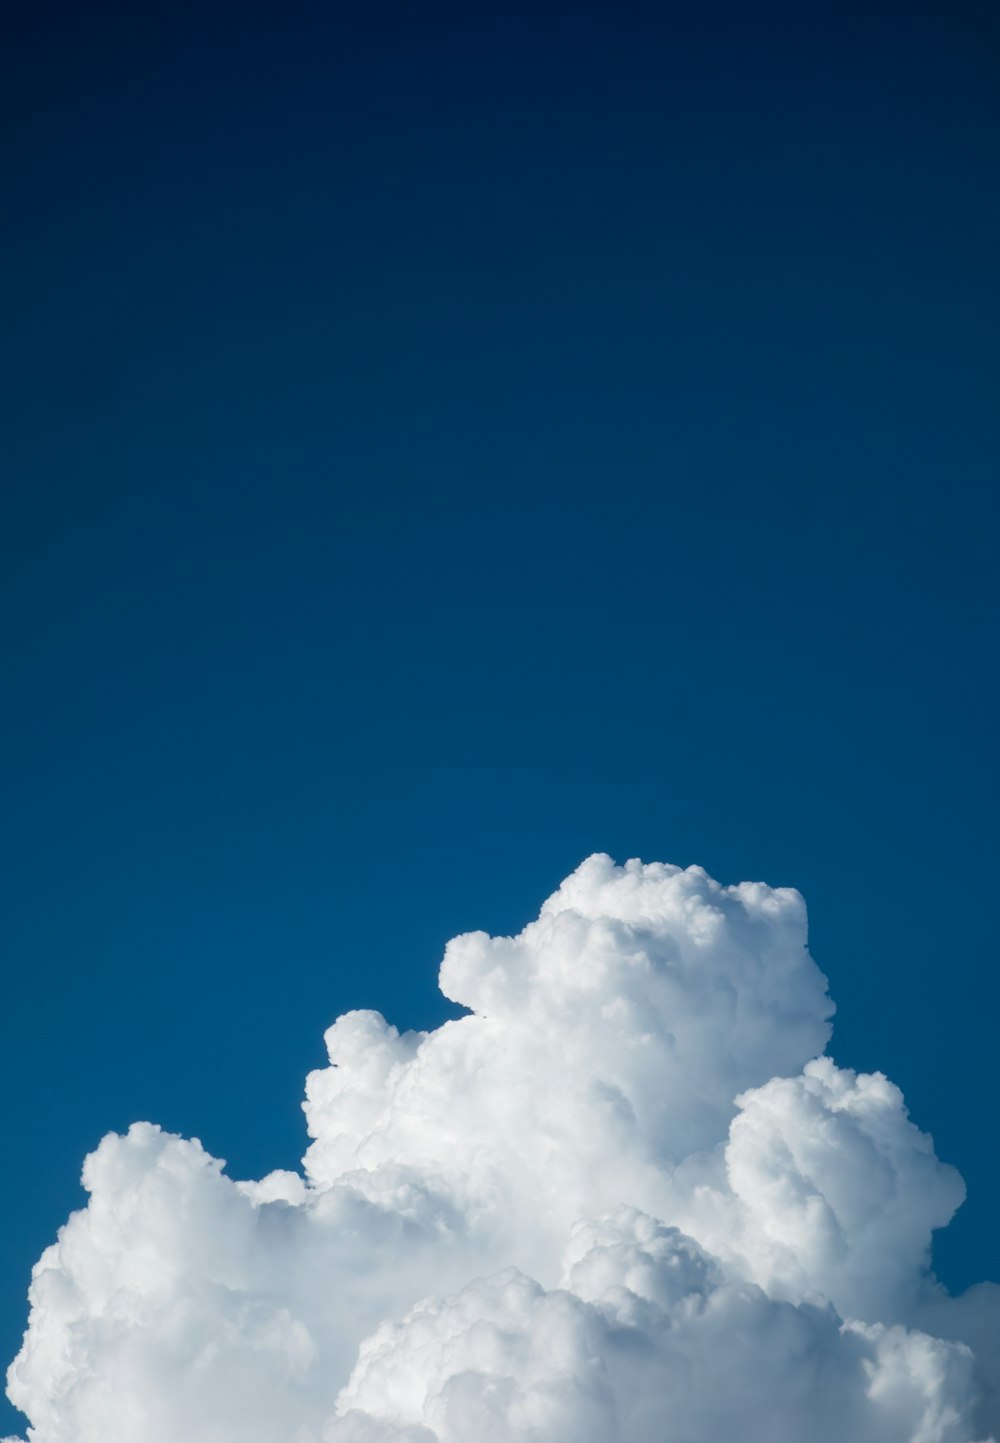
626 1198
647 1340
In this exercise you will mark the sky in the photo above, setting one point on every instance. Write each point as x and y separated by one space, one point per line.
441 445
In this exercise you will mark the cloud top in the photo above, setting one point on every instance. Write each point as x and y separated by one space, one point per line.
625 1198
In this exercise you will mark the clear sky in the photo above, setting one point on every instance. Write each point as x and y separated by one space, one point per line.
444 441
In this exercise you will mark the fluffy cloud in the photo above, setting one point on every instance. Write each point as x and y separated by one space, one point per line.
625 1198
647 1340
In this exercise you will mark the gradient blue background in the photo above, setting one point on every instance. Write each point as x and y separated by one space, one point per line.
444 441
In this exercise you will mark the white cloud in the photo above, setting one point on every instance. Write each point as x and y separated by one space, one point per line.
649 1340
620 1201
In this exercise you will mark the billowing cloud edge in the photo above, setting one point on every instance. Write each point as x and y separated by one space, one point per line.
627 1197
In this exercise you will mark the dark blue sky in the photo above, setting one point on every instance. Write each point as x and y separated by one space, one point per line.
444 441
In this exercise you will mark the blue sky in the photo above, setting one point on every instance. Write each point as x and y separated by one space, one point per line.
439 446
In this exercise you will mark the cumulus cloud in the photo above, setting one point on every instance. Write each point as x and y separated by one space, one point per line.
626 1198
